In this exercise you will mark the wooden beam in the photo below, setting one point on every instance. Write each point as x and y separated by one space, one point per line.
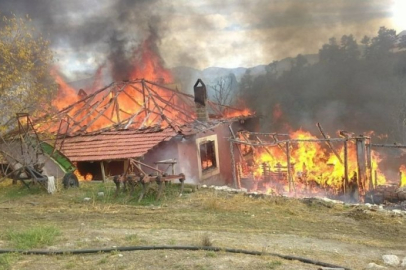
329 143
233 167
186 113
289 169
103 171
389 145
345 166
160 110
361 162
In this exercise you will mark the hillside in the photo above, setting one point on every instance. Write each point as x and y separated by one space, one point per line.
188 76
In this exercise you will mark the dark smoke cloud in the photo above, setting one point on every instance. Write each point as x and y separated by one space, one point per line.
200 33
112 27
292 27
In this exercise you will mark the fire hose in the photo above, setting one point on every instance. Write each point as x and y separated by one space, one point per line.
138 248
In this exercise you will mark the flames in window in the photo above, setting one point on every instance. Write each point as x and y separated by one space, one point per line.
208 155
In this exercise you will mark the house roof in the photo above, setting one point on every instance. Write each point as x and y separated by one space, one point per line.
129 105
127 119
114 144
122 144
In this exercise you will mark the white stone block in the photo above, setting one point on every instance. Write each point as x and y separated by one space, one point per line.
391 260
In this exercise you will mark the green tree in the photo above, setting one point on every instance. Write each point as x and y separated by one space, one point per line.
366 41
402 42
349 48
383 44
330 53
247 81
299 62
25 61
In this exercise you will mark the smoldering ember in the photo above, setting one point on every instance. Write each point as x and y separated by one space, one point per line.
118 132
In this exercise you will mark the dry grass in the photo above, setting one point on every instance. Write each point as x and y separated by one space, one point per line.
206 240
276 224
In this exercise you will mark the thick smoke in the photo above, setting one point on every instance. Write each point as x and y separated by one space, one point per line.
289 28
110 30
199 33
356 88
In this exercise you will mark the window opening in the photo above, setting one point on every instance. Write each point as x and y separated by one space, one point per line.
208 155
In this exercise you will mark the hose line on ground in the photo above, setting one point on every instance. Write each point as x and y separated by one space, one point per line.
136 248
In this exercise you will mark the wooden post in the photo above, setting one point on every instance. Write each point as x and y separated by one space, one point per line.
290 180
102 171
345 166
233 167
376 178
239 172
369 165
362 169
329 143
143 93
126 166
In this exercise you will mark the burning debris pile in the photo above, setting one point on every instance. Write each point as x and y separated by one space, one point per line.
301 164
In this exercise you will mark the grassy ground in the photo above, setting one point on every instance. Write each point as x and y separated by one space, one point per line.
351 236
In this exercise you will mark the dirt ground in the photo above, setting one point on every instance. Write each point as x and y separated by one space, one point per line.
346 235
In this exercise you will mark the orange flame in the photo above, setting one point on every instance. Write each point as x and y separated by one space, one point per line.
402 170
148 65
66 94
314 167
238 113
86 177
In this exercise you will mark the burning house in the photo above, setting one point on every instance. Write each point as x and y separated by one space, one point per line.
145 126
149 125
153 128
152 123
347 167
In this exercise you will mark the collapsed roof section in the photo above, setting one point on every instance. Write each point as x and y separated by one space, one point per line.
131 105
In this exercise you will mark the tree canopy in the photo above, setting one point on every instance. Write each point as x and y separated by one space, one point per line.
25 61
352 87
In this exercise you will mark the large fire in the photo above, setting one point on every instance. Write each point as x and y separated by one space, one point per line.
149 98
147 64
314 168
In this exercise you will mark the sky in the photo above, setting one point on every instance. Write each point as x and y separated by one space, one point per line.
200 33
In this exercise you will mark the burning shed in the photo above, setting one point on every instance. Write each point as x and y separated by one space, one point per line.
149 122
348 167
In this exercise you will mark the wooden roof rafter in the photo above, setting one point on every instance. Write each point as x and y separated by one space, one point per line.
135 104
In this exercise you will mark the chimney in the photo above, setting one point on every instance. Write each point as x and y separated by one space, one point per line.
200 100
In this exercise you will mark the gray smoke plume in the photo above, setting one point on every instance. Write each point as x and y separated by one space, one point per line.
112 28
288 28
198 33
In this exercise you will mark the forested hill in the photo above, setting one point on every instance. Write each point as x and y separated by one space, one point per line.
350 88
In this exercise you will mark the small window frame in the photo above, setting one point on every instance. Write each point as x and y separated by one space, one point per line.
205 173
